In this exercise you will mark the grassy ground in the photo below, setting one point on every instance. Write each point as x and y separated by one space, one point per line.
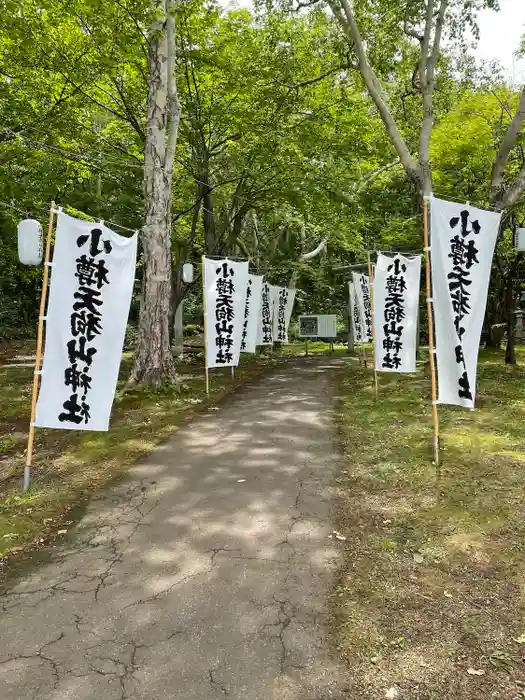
431 601
70 466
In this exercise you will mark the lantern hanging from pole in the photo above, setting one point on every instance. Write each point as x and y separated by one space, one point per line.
187 273
30 242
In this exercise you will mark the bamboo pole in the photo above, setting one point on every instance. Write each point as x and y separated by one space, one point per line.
205 314
430 310
371 278
39 343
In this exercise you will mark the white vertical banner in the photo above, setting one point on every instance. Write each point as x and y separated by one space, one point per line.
284 299
252 313
362 289
462 246
266 317
225 283
89 298
396 302
274 296
355 314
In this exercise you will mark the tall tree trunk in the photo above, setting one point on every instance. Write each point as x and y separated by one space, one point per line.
153 361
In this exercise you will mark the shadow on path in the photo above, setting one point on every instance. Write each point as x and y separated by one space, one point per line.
204 575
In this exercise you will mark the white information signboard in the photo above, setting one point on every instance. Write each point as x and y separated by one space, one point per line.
318 326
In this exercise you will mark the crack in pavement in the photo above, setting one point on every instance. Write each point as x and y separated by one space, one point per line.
40 655
162 573
215 684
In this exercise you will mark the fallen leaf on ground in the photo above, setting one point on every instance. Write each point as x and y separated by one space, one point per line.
241 481
62 532
392 693
337 535
520 639
474 672
418 558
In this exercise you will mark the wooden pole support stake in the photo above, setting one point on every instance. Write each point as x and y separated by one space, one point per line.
39 344
371 280
430 310
205 315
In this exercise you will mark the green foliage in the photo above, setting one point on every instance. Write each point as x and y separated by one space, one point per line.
279 146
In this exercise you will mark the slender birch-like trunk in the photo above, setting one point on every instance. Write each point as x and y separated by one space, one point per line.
154 363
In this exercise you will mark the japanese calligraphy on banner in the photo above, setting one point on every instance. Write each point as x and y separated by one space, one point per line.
355 316
266 319
252 313
362 289
225 285
284 299
396 303
91 286
462 246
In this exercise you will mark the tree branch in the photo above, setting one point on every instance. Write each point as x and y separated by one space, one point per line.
317 79
305 257
436 48
173 95
506 147
349 25
310 3
427 72
348 199
513 193
407 29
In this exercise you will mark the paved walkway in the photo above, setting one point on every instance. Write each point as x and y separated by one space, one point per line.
205 575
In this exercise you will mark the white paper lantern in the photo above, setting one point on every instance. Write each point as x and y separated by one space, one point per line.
30 242
187 273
